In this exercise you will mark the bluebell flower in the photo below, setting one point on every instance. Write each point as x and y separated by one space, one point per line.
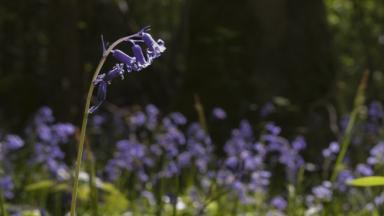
138 119
375 110
63 131
178 118
279 202
364 170
273 128
342 179
152 111
155 48
379 200
246 129
139 61
331 151
219 113
232 162
127 60
47 146
299 143
323 192
184 159
44 116
7 186
101 95
267 109
376 154
13 142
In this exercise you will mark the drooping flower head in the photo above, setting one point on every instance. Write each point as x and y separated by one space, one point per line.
140 59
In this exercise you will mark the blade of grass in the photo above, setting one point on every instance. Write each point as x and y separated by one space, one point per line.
2 204
346 139
200 113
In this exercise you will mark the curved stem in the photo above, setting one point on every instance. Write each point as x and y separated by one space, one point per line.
85 120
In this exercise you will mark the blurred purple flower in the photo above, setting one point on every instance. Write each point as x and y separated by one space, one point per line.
375 110
44 116
342 179
7 186
267 109
364 170
323 192
272 128
299 143
279 202
219 113
13 142
178 118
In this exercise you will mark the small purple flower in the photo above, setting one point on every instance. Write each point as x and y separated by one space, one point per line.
44 115
272 128
97 121
299 143
323 192
246 129
152 111
178 118
13 142
375 110
6 185
63 131
342 179
334 147
267 109
124 58
331 151
279 202
232 162
138 119
101 96
155 48
140 59
117 71
219 113
376 154
379 200
364 170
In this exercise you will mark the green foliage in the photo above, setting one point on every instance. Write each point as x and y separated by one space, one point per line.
115 202
48 185
369 181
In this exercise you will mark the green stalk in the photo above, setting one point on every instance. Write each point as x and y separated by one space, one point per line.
92 179
85 120
2 204
200 112
346 139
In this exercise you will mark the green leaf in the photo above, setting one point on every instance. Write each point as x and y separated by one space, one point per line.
369 181
40 185
115 203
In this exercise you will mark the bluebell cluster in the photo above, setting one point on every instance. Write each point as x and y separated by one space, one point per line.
139 60
9 145
49 136
148 149
158 141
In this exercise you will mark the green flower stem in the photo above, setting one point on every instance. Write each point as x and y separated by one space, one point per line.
200 112
85 120
346 139
92 179
2 204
